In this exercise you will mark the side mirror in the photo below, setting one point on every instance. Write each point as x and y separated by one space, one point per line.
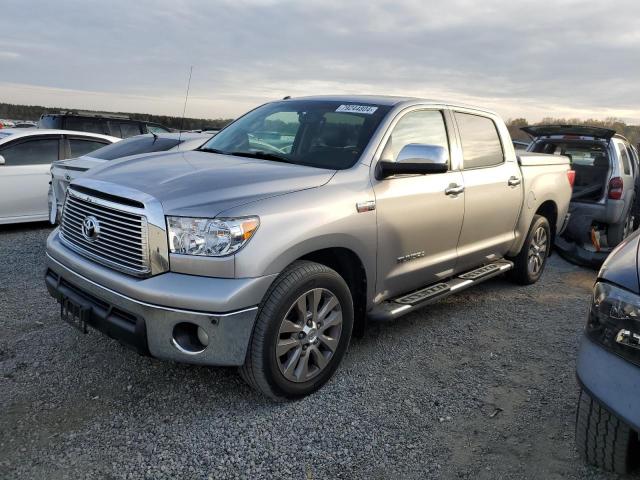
2 162
415 158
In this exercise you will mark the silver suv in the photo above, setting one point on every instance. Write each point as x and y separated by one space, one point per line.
604 199
270 245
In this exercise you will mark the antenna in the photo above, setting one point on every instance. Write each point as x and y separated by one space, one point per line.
186 97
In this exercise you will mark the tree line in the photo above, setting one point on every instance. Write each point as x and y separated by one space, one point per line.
32 112
631 132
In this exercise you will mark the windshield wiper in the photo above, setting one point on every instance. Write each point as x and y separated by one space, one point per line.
262 155
211 150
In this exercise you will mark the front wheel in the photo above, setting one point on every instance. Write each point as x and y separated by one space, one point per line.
301 333
530 262
603 439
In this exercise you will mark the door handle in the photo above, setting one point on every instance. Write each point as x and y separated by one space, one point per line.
454 189
513 181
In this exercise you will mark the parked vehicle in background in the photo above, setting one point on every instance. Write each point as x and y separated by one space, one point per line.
604 199
266 247
520 145
25 124
64 171
105 123
608 366
25 158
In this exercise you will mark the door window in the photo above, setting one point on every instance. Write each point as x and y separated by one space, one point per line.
79 147
157 129
124 129
31 152
130 129
81 124
481 145
624 157
421 126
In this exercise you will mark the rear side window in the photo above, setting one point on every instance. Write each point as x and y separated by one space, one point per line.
624 157
633 155
81 124
50 121
134 146
481 145
79 147
157 129
421 126
124 129
31 152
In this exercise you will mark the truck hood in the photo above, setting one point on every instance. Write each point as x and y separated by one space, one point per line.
623 264
197 183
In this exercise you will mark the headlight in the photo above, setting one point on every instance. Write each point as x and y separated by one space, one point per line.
210 237
614 320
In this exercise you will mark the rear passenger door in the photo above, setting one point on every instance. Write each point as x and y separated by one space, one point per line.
24 177
493 191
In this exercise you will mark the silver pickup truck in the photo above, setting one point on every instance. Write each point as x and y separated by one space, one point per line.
271 244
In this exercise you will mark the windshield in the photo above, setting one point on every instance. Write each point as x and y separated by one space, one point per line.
134 146
307 132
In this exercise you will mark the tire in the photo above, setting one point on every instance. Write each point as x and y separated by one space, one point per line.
523 273
602 438
281 322
617 232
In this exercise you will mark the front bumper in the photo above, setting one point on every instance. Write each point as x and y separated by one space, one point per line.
142 313
610 379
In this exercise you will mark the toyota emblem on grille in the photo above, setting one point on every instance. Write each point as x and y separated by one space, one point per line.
90 228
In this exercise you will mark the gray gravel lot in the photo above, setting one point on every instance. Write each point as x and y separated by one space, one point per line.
478 386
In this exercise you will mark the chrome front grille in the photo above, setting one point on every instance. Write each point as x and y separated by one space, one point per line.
106 233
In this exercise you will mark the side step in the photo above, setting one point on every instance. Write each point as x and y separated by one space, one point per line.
396 307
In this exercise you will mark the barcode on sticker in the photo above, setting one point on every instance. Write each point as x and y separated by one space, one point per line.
366 109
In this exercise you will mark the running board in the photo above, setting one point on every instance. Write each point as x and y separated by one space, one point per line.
396 307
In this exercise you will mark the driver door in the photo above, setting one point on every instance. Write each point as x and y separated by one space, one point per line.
419 218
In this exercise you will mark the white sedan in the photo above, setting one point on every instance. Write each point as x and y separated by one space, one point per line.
25 159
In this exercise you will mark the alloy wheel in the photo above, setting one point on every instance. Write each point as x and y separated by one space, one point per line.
537 251
309 335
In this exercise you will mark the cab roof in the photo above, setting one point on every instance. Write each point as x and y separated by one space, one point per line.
389 100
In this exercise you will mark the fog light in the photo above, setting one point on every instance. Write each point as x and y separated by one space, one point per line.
189 338
203 337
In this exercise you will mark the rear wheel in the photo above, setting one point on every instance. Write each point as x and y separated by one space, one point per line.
617 232
602 438
301 333
530 262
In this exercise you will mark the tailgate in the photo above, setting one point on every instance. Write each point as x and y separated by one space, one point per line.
535 159
569 130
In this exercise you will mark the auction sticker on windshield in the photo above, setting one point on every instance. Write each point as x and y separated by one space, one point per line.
366 109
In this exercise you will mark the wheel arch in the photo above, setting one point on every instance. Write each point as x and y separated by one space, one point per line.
351 268
549 210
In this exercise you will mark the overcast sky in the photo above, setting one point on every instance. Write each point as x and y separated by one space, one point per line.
522 58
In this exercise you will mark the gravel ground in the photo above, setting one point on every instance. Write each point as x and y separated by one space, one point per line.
480 385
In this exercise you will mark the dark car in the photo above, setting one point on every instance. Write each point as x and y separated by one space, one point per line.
108 124
608 367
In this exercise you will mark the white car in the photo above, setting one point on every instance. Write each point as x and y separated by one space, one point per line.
63 172
25 159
